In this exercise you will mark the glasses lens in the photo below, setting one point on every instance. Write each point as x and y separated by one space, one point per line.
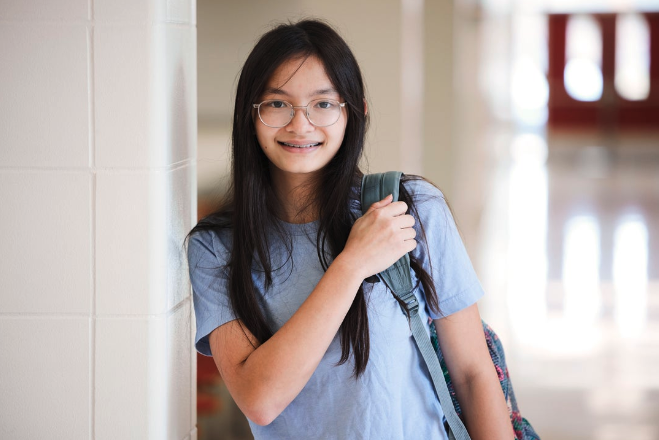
275 113
324 112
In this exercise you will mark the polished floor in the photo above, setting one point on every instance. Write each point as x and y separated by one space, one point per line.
567 247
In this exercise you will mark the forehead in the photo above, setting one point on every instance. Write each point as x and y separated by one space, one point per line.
300 76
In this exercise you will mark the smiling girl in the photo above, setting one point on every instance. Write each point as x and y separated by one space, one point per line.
307 346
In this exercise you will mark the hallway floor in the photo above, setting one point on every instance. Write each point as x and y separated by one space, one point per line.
568 251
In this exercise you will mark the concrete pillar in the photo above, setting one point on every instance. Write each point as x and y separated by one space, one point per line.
97 171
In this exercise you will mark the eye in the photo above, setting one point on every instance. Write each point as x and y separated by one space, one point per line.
275 104
324 105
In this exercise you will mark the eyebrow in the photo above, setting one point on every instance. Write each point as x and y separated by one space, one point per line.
277 91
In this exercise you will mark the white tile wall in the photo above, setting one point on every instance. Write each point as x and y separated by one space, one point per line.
68 10
143 373
176 98
193 367
183 189
44 112
180 378
142 220
123 60
97 235
182 11
126 225
125 11
46 242
125 354
157 76
141 11
44 390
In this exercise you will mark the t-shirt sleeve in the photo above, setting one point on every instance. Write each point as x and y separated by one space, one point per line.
443 256
207 261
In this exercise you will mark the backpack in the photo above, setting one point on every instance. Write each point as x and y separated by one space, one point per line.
397 277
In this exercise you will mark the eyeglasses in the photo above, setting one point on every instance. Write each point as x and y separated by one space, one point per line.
320 112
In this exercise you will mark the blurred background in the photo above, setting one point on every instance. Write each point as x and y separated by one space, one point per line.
540 121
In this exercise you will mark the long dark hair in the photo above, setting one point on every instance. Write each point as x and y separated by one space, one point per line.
249 207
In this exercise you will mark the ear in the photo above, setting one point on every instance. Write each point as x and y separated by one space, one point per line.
365 107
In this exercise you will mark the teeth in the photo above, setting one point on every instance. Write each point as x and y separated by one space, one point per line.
300 146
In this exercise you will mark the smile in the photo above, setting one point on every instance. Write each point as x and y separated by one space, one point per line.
315 144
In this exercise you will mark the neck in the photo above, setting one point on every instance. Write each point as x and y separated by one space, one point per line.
295 193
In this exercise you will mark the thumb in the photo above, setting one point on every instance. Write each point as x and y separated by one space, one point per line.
381 204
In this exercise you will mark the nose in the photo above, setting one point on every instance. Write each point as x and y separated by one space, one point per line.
300 123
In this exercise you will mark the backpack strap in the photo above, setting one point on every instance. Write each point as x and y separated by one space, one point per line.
376 187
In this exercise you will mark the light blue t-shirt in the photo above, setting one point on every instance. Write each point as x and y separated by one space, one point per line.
394 398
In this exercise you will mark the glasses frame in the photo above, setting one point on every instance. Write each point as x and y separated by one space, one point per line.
293 107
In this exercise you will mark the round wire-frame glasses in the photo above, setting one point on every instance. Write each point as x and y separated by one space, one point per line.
277 113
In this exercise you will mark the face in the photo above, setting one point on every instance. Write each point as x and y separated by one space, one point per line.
299 149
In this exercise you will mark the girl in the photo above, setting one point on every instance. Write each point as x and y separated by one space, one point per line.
309 344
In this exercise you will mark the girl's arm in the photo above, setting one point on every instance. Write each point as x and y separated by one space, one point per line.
263 379
473 375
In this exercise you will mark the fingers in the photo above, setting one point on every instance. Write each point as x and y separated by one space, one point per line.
411 245
405 221
381 236
395 212
381 204
408 234
393 209
385 208
408 240
408 237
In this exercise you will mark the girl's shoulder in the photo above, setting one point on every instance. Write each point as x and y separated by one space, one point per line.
209 244
428 200
420 188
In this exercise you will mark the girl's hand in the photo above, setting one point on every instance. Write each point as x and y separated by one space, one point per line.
380 237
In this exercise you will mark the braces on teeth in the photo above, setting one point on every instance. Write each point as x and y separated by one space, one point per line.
300 146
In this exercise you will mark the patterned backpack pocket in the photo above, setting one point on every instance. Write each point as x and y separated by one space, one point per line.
521 426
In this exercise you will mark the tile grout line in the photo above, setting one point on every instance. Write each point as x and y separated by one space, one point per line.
116 170
92 208
91 102
46 315
86 316
115 23
92 321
